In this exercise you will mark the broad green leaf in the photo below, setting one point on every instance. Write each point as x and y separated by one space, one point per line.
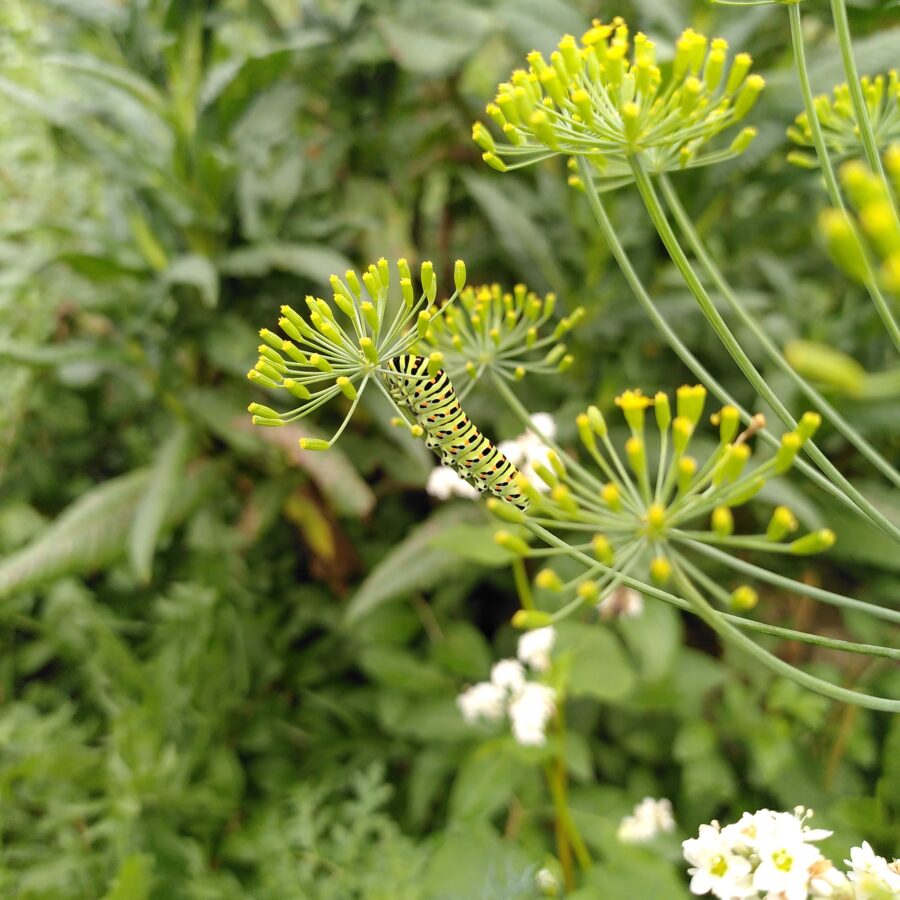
519 236
133 880
158 500
125 79
100 268
412 565
89 534
487 781
474 543
539 24
654 638
463 650
643 876
435 38
198 272
312 261
398 668
599 667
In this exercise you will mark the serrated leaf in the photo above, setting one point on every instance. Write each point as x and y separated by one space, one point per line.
412 565
157 501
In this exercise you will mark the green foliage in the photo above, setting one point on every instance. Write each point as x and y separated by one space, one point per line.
228 668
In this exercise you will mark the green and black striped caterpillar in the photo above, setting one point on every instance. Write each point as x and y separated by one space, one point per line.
448 430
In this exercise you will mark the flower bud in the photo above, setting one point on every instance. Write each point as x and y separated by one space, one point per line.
656 519
743 598
826 365
298 390
353 283
782 522
660 570
528 619
505 511
511 542
814 542
483 138
548 580
663 411
563 497
264 368
261 379
346 387
320 362
459 275
637 457
843 244
264 412
748 95
609 493
602 549
722 521
743 140
370 314
588 591
687 468
728 419
435 363
690 401
270 338
422 323
494 161
808 425
598 423
790 446
682 429
313 444
739 69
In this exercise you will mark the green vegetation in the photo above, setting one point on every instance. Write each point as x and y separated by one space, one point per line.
229 667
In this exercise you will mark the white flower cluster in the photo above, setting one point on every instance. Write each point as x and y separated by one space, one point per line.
771 855
526 450
529 704
649 818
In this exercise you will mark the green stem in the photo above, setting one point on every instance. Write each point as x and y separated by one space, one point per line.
842 27
678 256
681 350
789 584
831 185
715 273
730 632
523 588
788 634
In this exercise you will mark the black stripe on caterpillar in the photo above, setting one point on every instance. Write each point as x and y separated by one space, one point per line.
449 432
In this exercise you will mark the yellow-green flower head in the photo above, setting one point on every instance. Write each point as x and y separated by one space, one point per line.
648 510
336 347
838 119
866 238
607 98
509 333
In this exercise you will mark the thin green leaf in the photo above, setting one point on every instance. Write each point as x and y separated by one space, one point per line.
163 486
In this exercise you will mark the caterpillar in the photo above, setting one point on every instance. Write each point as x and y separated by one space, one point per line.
448 430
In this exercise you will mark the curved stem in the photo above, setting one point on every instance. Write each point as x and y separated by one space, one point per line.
679 258
787 634
715 273
681 350
789 584
818 138
835 692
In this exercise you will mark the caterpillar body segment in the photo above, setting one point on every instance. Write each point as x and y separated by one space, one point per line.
449 432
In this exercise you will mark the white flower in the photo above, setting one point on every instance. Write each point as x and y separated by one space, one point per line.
872 876
482 701
547 883
622 603
827 882
530 712
444 483
545 426
529 447
509 675
648 819
715 868
784 866
766 826
535 646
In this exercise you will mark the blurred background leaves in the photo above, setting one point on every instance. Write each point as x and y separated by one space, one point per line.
219 674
